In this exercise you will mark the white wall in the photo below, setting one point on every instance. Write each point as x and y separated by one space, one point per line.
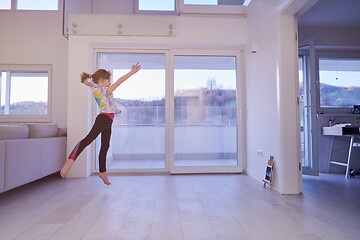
331 36
261 99
35 37
288 92
271 96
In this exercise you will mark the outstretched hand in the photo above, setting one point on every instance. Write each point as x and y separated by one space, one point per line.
135 68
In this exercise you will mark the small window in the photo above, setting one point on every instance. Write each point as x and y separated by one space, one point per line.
214 2
37 5
5 4
339 82
29 4
156 6
24 93
201 2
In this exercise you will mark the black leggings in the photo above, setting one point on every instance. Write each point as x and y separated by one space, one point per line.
102 125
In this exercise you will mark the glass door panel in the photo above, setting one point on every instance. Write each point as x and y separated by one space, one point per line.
138 132
205 111
305 139
308 129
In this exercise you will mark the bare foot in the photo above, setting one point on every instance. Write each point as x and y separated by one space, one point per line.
65 169
105 178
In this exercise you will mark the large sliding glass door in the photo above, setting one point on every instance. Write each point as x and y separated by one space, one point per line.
180 113
205 111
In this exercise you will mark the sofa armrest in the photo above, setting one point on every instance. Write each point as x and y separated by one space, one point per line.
27 160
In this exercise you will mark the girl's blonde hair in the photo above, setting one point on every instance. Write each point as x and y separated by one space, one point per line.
96 76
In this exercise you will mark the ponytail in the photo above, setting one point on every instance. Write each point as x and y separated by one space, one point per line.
84 76
101 73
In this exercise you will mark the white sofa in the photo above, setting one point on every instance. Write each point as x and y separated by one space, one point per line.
29 152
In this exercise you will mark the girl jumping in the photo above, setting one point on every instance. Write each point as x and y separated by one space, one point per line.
103 94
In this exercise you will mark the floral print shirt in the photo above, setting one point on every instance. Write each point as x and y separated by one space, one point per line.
105 102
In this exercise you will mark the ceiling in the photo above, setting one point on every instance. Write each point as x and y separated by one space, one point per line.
336 13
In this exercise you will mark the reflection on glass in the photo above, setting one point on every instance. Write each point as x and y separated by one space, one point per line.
138 134
205 111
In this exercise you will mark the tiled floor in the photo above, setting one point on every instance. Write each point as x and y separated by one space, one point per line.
191 207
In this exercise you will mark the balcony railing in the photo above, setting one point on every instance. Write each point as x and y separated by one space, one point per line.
183 116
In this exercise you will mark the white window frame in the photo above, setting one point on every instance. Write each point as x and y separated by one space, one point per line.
14 7
240 112
29 118
169 88
94 157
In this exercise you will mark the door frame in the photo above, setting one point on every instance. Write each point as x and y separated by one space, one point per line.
240 96
164 51
169 110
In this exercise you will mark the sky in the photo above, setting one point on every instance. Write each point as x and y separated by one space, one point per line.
340 72
343 79
31 4
20 89
343 73
20 86
149 84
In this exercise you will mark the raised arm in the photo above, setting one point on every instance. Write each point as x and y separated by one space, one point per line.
89 84
134 69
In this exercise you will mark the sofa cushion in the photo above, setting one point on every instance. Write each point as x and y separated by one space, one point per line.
42 130
14 131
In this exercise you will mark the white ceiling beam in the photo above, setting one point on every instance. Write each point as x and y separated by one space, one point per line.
297 7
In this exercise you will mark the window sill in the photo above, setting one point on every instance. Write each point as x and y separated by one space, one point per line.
337 114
